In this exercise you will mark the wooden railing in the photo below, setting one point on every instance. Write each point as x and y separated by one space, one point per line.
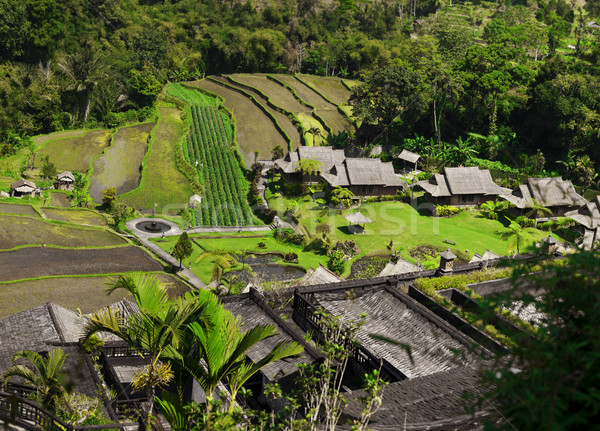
31 416
305 314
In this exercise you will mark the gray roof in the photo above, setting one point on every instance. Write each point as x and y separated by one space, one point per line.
321 275
436 186
357 218
22 182
40 329
253 315
409 156
65 176
470 181
588 215
376 150
488 255
362 172
433 349
425 399
400 267
448 255
554 192
326 155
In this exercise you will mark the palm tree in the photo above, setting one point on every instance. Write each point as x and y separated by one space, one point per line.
491 209
309 167
515 235
221 353
47 376
155 332
341 197
537 210
314 131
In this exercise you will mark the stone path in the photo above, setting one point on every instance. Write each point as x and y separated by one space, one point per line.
144 237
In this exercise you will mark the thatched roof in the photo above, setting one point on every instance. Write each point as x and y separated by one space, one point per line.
448 255
549 192
23 185
488 255
409 156
357 218
326 155
436 186
470 181
66 176
362 172
376 150
588 215
400 267
321 275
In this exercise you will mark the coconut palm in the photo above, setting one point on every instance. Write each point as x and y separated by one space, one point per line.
46 376
155 332
314 131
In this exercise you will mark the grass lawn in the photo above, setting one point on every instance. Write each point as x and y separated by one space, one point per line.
401 223
162 185
119 166
255 130
76 153
18 231
239 243
76 216
84 293
331 88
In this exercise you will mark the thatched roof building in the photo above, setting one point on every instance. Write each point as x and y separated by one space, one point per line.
364 177
587 215
461 186
288 165
554 193
357 218
410 159
400 267
320 275
22 188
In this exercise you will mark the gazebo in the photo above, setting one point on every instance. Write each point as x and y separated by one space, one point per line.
410 159
357 222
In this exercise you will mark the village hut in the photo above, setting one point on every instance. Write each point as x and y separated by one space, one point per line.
23 188
556 194
65 181
357 222
409 159
320 275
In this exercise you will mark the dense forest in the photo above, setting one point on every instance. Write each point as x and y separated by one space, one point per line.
522 75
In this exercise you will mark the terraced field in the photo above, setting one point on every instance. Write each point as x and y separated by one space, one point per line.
42 139
59 199
68 292
162 185
18 209
254 129
331 88
75 153
18 231
33 262
120 164
75 216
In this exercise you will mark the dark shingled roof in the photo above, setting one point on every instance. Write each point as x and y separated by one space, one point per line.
252 315
40 329
409 156
432 348
423 399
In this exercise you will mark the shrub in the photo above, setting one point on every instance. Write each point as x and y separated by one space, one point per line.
292 189
446 211
547 225
337 261
290 257
288 236
265 214
524 221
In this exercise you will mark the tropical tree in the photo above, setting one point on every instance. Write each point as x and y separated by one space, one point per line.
156 332
584 171
314 131
183 248
341 197
491 209
222 347
537 210
309 167
463 151
516 235
46 376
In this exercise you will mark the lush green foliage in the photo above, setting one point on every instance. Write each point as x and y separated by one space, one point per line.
209 147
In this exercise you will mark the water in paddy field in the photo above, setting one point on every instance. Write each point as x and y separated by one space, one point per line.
262 266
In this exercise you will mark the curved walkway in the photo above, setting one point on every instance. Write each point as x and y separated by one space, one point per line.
144 237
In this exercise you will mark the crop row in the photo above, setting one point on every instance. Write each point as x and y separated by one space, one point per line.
209 148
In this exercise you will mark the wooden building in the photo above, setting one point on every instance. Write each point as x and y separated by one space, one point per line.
461 187
556 194
23 188
365 177
409 159
65 181
288 165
